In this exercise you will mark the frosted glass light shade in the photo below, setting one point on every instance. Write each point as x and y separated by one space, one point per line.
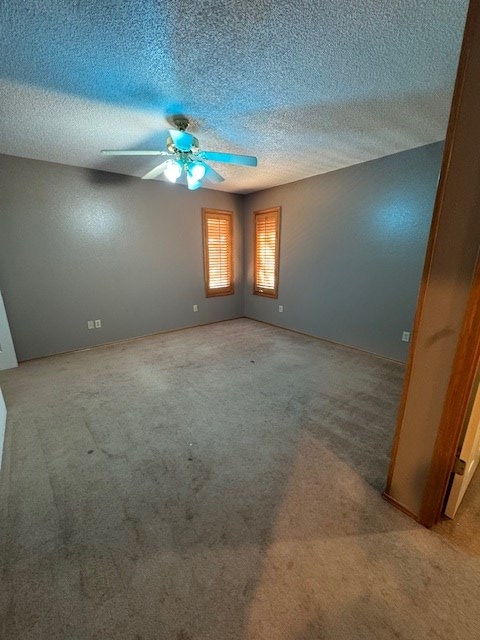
197 170
192 182
173 170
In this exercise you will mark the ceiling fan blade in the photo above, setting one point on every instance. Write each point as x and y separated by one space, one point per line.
182 140
232 158
211 174
132 152
156 171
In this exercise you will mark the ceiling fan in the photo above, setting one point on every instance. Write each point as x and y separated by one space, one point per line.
184 156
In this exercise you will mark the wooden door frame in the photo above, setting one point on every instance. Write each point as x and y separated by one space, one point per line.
457 402
466 353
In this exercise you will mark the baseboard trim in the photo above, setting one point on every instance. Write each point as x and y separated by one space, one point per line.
124 340
398 505
204 324
338 344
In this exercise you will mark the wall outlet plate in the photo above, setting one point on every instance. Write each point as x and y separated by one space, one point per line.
195 307
406 336
280 308
90 324
98 324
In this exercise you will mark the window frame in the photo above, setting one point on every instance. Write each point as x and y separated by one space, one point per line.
222 215
258 291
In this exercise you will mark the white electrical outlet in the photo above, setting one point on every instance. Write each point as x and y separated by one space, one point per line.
90 324
406 336
280 308
98 324
195 307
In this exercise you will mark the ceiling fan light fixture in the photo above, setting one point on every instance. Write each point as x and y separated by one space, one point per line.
192 182
184 154
196 170
173 170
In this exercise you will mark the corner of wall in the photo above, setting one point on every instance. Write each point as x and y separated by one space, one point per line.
3 422
244 208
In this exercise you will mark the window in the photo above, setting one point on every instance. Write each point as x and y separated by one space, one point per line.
266 252
218 252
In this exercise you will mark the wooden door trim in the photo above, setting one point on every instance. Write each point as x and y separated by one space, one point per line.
472 16
457 402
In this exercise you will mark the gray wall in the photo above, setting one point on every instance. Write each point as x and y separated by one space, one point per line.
77 244
352 248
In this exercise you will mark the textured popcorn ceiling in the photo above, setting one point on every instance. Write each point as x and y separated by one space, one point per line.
306 86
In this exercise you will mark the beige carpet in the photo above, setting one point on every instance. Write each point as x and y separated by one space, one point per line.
216 483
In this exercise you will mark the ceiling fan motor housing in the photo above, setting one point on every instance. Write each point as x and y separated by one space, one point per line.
181 122
173 149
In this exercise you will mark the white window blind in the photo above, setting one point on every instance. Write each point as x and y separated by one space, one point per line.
267 243
218 252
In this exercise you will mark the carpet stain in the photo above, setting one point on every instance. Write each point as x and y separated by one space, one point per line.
202 474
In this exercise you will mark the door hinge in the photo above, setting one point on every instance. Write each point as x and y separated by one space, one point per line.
460 466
